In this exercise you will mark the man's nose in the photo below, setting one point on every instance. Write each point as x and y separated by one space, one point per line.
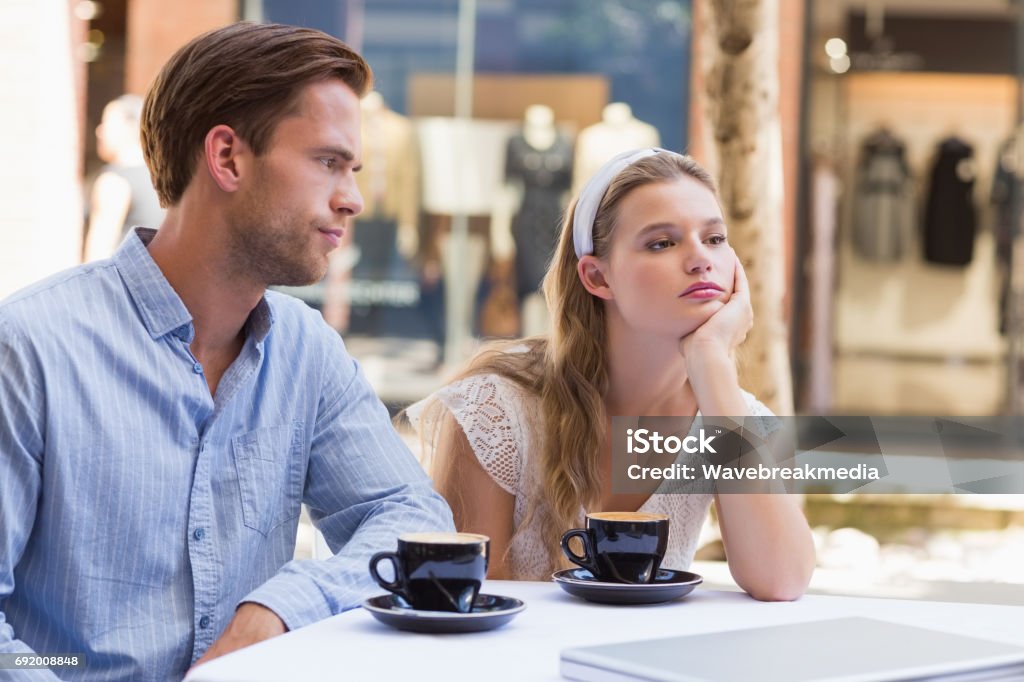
347 200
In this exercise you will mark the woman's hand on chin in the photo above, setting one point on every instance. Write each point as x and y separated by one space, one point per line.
727 328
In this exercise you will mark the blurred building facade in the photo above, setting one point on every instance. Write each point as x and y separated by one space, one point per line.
901 142
898 301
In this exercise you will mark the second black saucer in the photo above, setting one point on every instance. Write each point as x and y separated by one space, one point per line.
489 611
666 586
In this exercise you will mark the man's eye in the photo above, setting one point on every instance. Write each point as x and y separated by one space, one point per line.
717 239
328 162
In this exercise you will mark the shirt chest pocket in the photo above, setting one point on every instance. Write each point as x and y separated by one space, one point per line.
271 468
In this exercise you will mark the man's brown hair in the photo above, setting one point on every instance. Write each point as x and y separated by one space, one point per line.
247 76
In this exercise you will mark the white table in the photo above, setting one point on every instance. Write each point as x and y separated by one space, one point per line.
354 646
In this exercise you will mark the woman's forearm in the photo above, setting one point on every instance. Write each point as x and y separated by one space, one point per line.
768 544
712 375
767 540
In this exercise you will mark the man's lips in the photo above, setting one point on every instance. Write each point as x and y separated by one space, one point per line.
332 235
702 290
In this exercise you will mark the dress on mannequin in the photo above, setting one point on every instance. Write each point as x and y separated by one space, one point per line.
122 195
883 206
538 177
950 217
539 159
617 131
462 171
390 177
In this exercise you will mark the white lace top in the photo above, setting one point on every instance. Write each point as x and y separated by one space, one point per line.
502 423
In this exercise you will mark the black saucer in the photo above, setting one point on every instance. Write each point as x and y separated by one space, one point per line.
489 611
666 586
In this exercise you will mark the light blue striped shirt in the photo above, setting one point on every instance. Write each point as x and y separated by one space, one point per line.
137 511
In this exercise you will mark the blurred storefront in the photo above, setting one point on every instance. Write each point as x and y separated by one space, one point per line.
911 183
487 115
908 294
901 134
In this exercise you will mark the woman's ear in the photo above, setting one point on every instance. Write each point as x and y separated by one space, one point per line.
591 271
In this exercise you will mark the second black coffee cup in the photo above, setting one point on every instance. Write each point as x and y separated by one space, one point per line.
621 547
436 571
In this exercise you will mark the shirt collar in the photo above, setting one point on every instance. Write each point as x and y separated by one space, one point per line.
260 320
160 307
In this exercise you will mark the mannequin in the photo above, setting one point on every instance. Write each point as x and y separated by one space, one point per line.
122 195
389 184
462 179
538 175
390 178
617 131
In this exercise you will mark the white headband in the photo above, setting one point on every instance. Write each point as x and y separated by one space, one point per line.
593 192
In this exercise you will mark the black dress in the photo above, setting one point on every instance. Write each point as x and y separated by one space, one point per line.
883 205
546 175
950 219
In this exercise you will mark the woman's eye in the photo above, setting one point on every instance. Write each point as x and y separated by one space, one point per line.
660 244
717 239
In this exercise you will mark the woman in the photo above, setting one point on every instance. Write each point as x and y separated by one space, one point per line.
648 303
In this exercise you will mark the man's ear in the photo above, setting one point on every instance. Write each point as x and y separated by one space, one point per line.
591 271
224 153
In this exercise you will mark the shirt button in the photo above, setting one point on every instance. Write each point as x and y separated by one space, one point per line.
197 368
204 622
199 533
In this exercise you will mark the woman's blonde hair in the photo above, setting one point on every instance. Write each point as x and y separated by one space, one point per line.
568 370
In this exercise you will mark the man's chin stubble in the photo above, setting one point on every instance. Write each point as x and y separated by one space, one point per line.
296 278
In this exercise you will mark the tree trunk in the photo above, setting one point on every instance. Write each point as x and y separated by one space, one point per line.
741 78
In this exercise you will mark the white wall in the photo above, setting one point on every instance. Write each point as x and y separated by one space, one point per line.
40 192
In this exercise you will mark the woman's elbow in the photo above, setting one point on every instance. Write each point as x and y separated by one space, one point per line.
781 592
788 586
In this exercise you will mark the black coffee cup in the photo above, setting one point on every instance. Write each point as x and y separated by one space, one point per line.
620 547
436 571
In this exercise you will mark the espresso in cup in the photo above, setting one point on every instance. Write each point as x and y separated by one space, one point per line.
436 571
621 547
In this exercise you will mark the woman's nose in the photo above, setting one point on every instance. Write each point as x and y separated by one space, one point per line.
697 260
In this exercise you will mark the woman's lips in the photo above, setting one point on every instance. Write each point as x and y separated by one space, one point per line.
702 290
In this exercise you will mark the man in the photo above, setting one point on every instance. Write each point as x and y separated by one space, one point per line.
122 195
163 416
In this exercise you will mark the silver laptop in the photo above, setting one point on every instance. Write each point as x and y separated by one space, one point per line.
839 650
